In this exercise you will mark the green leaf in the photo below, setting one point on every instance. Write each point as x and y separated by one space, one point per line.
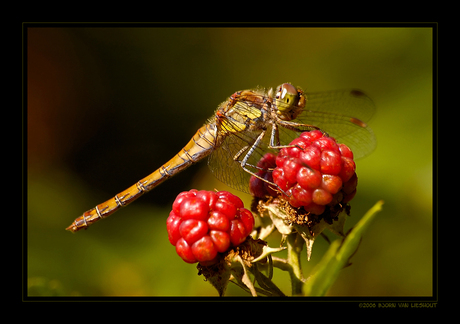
338 255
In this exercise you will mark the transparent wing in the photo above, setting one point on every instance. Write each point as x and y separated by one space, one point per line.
225 161
343 115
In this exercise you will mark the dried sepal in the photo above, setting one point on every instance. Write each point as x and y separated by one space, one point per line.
288 219
266 251
238 263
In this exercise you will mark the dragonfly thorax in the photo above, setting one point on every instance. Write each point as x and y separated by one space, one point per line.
244 111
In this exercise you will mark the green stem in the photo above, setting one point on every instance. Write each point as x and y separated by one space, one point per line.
295 245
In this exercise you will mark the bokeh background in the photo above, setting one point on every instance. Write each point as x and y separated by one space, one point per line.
107 106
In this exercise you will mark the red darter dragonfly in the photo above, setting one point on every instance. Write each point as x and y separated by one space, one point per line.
246 126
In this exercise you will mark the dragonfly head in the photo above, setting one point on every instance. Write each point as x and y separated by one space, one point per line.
289 101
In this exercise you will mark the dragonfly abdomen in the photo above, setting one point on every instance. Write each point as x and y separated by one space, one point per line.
199 147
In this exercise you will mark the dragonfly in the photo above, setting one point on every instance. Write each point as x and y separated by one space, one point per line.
249 124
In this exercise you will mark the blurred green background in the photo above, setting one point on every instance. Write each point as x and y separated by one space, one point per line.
107 106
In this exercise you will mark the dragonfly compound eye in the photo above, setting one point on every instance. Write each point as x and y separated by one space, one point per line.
287 98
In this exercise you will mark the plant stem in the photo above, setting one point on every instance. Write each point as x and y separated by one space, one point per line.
294 248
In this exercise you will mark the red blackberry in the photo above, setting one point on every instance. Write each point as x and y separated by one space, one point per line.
205 223
312 173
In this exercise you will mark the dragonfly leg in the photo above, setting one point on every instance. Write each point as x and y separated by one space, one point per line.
237 159
275 139
275 136
250 151
245 165
296 127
